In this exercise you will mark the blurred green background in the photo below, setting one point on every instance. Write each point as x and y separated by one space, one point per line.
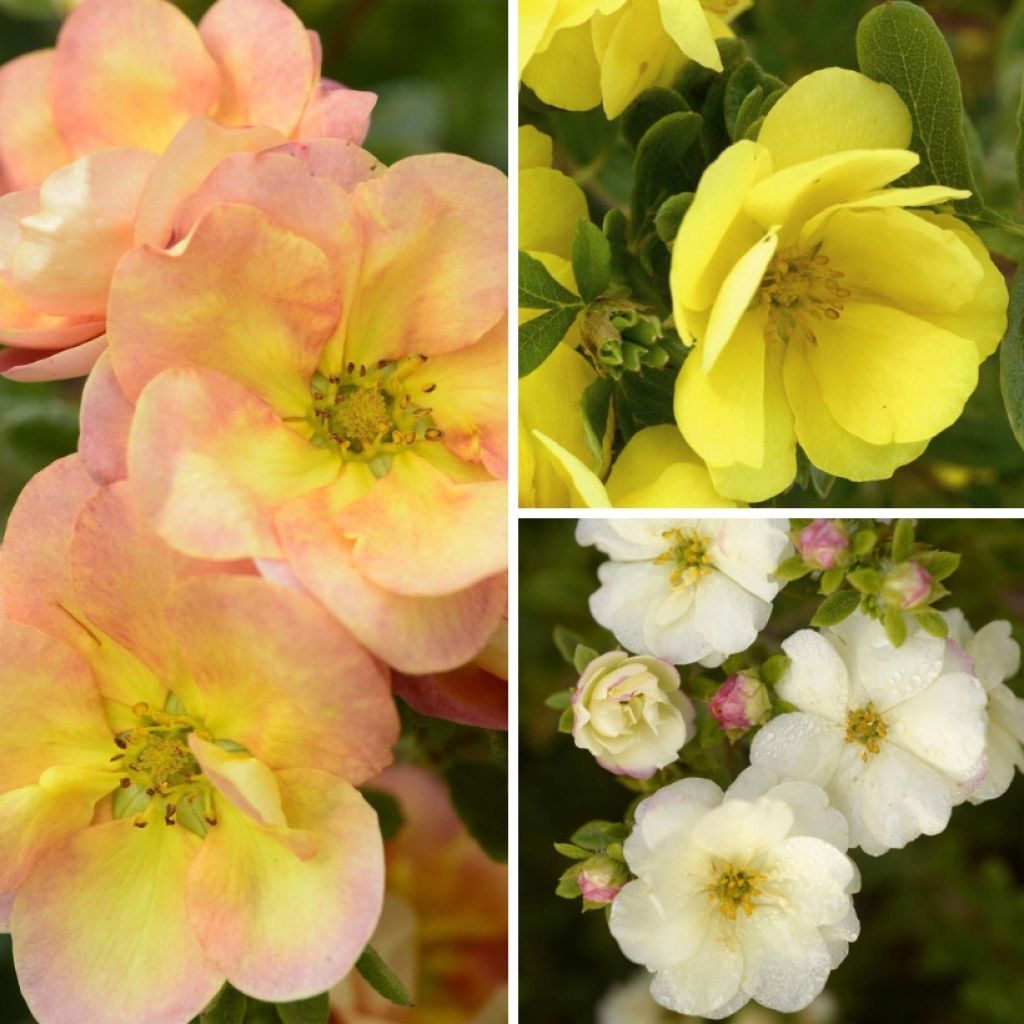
440 70
942 938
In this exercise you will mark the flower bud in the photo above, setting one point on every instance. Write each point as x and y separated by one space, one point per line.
601 879
907 586
630 713
741 702
821 543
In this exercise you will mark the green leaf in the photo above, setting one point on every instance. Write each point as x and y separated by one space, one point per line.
748 112
932 622
863 541
316 1010
821 481
774 668
228 1007
389 811
792 569
867 581
836 608
1018 151
591 261
565 721
597 835
582 657
664 165
538 289
903 540
831 580
566 641
381 978
940 565
644 400
899 43
568 885
670 215
559 700
572 851
595 404
479 792
1011 358
539 337
646 110
895 626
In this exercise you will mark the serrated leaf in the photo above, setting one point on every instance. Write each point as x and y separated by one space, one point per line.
903 540
774 668
572 850
835 608
646 110
663 165
591 261
479 792
565 721
559 700
670 215
316 1010
792 568
899 43
867 581
831 580
228 1007
582 657
940 565
895 626
566 641
932 622
376 973
1011 358
539 337
538 289
389 811
595 404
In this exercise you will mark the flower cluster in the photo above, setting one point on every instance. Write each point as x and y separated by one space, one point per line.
288 505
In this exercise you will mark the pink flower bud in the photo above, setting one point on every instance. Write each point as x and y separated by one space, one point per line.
741 702
907 586
601 879
820 543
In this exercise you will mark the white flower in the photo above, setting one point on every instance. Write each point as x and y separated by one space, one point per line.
894 734
686 590
746 897
630 714
630 1002
992 656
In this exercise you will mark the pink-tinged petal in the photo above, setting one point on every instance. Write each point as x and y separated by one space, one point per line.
468 695
193 153
30 146
13 207
278 675
414 634
339 161
106 417
418 533
33 365
266 62
38 732
243 296
245 781
434 275
130 73
101 934
337 112
35 587
34 818
26 328
283 928
85 224
210 462
470 400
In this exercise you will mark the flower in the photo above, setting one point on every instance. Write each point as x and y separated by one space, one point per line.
992 656
740 703
822 543
108 133
686 590
182 748
630 714
315 378
907 586
891 733
601 880
737 897
823 310
579 54
444 928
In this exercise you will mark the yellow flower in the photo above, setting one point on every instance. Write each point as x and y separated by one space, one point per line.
823 310
575 54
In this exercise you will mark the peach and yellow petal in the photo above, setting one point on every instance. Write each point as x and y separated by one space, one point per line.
831 111
38 732
438 633
105 420
84 225
193 153
245 781
827 444
30 145
890 377
551 206
242 296
337 160
283 928
35 585
130 73
335 111
109 896
434 268
280 676
469 695
31 366
566 73
210 461
266 62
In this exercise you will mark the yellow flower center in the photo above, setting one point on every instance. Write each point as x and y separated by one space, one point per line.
364 413
865 726
735 888
800 289
689 552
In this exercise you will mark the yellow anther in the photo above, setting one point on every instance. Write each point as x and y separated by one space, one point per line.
866 726
689 552
736 888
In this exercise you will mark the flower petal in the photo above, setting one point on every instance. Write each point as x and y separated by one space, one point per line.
566 73
816 680
106 418
469 695
335 111
799 746
33 365
551 206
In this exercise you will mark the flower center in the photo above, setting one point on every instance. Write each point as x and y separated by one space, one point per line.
865 726
364 413
736 888
689 552
798 289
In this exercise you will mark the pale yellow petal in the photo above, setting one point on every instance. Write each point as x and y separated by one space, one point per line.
637 50
687 24
535 148
551 206
922 195
566 74
584 488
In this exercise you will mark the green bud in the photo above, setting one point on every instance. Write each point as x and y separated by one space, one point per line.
655 357
631 356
